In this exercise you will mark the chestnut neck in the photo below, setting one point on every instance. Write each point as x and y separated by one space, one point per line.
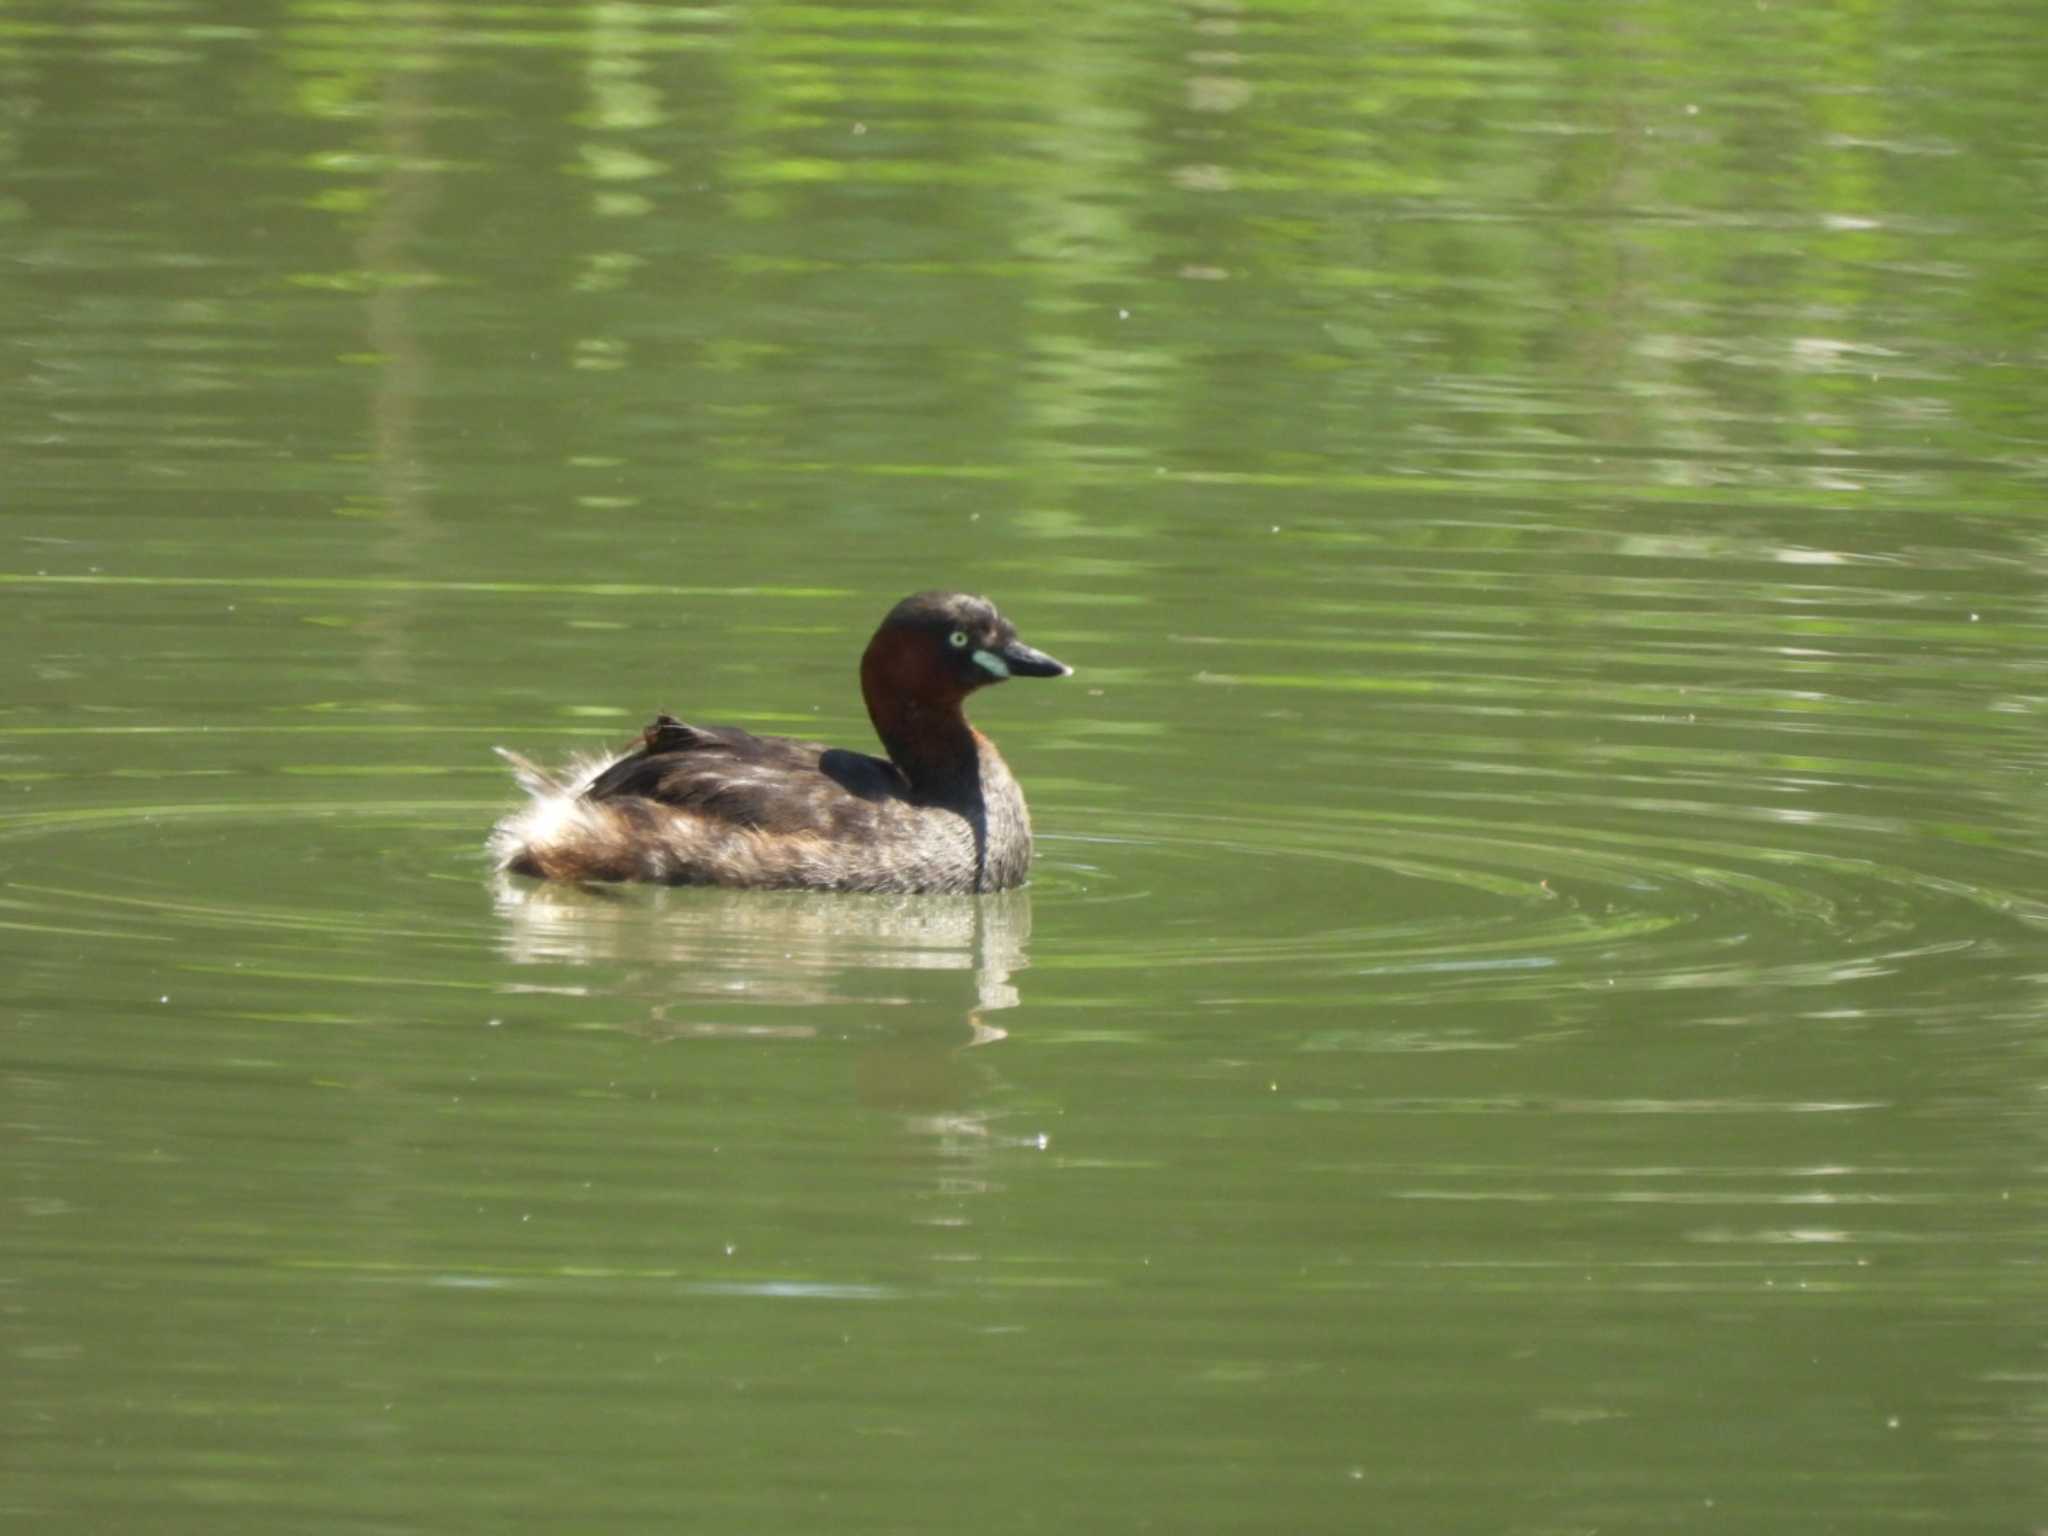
916 710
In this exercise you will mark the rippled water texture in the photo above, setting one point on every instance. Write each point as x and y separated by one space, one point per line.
1529 1013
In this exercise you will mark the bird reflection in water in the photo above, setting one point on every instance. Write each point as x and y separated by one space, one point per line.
697 960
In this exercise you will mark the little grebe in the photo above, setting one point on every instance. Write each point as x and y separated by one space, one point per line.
712 805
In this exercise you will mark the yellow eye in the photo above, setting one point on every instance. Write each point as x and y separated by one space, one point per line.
957 639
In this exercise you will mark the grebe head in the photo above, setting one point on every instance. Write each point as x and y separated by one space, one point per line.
935 648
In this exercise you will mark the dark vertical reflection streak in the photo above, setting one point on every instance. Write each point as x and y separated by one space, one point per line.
405 199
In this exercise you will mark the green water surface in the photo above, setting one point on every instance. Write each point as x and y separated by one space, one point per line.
1530 1013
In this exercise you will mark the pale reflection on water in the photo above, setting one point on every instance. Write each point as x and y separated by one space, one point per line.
774 946
818 952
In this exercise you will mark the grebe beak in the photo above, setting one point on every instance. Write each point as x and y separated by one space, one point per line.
1020 660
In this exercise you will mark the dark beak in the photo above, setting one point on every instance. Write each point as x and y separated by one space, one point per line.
1023 661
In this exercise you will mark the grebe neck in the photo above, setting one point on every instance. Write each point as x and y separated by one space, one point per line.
916 712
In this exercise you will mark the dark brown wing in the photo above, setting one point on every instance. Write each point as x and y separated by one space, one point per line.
770 783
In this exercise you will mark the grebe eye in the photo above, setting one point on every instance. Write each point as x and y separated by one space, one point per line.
957 639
